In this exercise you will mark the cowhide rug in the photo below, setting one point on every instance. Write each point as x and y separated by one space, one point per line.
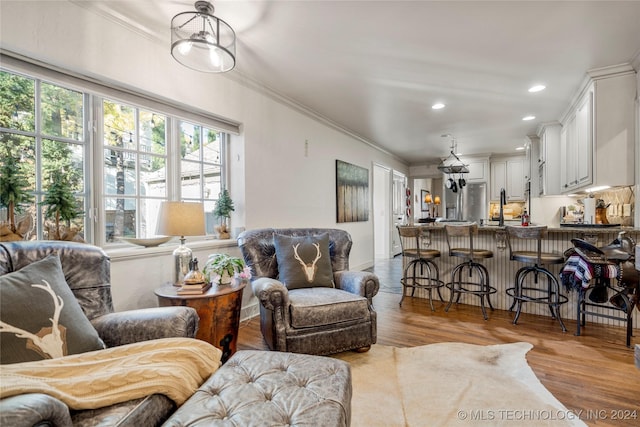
451 384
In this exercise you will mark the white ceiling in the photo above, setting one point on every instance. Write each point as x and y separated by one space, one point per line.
376 67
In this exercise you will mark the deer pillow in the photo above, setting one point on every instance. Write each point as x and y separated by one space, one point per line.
39 316
304 262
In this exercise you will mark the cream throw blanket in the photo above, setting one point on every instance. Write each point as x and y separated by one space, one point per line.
175 367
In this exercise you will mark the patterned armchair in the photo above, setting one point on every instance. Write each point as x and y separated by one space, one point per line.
312 320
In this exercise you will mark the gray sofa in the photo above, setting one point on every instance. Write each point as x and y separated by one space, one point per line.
316 320
87 271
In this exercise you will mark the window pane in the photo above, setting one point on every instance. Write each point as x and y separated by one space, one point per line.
149 217
62 112
119 125
17 109
190 182
190 141
120 218
209 219
119 172
153 133
212 185
64 159
17 177
62 231
211 149
153 176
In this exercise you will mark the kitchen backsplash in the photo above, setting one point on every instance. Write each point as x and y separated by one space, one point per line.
510 210
621 203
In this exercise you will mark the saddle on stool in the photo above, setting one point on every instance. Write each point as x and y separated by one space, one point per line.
614 261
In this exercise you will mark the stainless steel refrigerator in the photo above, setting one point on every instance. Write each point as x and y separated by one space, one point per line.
470 204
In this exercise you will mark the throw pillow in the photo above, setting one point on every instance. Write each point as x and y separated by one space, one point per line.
39 316
304 262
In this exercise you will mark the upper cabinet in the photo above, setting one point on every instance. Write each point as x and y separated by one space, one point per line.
508 173
546 169
597 136
478 169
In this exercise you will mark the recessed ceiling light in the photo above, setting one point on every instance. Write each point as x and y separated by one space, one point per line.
537 88
527 118
437 106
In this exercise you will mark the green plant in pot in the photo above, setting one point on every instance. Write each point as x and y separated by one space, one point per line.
61 206
222 268
222 211
13 193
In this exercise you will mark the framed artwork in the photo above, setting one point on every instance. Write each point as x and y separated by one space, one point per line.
352 192
424 207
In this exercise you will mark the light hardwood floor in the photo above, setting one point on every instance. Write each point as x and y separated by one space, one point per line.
592 375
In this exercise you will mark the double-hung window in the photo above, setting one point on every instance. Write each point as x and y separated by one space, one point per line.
113 158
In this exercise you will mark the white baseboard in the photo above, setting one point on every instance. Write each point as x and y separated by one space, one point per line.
249 311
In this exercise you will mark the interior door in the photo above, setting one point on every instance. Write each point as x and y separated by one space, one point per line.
382 217
398 208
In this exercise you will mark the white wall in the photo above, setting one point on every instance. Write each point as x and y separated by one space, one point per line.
274 181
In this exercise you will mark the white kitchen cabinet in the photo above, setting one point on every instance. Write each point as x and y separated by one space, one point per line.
547 168
515 179
478 169
509 174
597 139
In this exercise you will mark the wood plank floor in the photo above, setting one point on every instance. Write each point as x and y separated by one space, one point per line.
593 375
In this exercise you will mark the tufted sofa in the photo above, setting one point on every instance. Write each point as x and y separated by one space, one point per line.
263 388
87 272
317 320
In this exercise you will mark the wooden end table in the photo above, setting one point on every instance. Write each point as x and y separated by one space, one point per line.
218 309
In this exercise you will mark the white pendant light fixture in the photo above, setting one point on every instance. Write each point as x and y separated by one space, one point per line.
203 42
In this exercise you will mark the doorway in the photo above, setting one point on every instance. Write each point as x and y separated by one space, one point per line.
388 210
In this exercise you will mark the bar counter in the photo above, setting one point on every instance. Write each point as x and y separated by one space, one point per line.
502 270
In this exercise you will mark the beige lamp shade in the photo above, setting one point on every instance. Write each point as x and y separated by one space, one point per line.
436 200
427 198
181 219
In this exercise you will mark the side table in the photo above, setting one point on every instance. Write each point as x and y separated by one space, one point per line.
218 309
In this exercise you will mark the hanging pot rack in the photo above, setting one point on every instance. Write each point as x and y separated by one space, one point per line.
453 164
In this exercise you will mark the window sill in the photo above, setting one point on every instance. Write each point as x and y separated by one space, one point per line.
138 252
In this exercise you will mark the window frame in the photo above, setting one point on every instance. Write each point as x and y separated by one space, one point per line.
95 93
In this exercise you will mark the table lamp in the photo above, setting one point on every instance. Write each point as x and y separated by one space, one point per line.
428 200
436 202
181 219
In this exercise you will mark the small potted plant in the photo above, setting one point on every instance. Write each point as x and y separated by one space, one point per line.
222 268
61 205
222 210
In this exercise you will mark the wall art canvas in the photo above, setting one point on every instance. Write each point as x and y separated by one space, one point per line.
352 192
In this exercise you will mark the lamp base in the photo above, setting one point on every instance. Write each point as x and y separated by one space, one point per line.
182 257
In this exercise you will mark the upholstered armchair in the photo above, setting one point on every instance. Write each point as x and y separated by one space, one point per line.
333 316
86 271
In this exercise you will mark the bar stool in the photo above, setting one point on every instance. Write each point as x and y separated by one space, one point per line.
424 272
468 277
530 290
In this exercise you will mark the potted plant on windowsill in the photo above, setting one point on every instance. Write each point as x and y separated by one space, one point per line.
220 269
61 206
222 210
13 194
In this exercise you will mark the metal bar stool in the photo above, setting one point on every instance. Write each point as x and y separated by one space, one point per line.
468 277
527 288
424 272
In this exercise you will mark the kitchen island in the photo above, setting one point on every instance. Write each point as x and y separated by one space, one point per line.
502 270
